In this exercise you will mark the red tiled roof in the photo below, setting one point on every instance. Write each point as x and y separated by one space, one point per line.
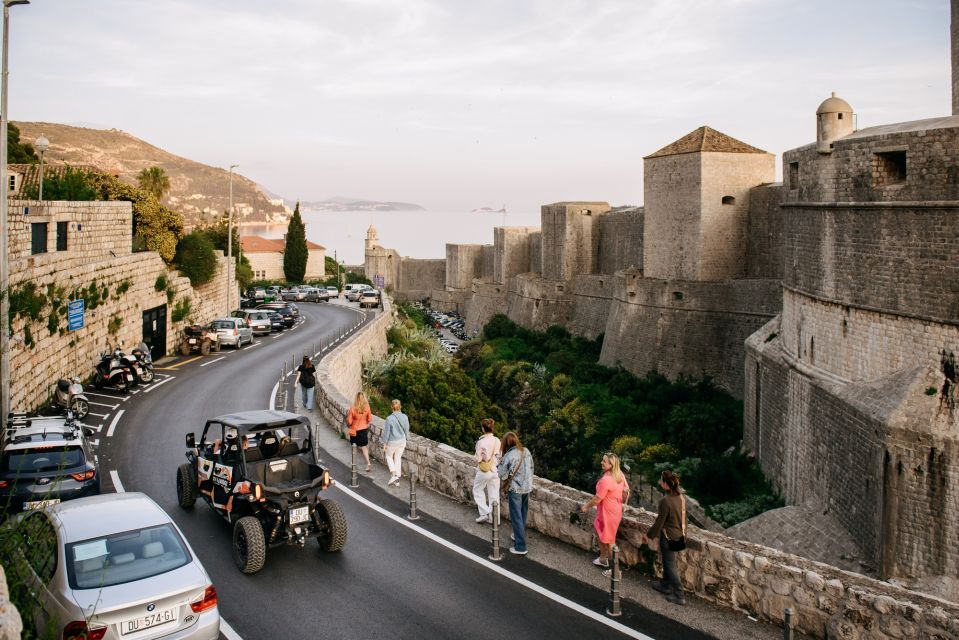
704 140
256 244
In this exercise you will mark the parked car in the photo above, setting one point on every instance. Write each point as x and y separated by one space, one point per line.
283 308
259 320
354 293
276 321
269 491
233 331
333 291
295 294
256 293
44 461
120 568
370 299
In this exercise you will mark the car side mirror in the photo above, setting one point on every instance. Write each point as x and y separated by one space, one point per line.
190 441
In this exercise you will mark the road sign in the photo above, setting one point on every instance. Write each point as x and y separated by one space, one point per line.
379 281
75 314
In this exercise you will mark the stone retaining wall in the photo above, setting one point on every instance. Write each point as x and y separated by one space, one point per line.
11 625
760 581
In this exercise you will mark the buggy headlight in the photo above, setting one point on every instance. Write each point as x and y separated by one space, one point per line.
326 479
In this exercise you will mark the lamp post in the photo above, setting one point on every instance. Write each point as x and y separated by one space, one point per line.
4 231
42 144
229 248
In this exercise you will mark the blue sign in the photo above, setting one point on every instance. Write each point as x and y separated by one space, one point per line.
379 281
75 314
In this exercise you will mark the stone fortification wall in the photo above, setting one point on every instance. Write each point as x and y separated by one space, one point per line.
11 624
571 235
592 297
879 455
418 278
743 576
621 246
384 262
671 188
512 252
765 239
489 298
489 260
118 319
954 32
537 303
450 299
863 166
464 262
536 252
686 328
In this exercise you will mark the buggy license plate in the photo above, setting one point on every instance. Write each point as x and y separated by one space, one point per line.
39 504
192 340
299 514
152 619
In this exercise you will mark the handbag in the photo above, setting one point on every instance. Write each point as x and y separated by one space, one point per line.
504 487
485 466
679 543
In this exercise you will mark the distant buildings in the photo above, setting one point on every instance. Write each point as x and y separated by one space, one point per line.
266 258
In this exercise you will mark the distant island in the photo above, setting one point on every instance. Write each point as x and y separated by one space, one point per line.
488 210
351 204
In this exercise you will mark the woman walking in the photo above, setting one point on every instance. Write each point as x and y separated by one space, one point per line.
306 378
670 528
516 472
396 431
358 420
611 492
486 480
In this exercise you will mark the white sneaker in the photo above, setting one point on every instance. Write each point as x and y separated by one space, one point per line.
517 552
599 562
483 519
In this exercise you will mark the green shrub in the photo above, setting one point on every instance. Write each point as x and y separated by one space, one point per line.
195 258
181 311
160 283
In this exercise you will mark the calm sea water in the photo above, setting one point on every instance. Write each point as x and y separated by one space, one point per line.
415 234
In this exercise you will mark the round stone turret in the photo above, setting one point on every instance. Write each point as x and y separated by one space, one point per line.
833 121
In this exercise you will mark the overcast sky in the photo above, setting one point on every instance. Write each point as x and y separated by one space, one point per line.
456 105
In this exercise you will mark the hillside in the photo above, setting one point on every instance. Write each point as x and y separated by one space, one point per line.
196 189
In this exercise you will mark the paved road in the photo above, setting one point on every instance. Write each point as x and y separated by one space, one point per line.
391 580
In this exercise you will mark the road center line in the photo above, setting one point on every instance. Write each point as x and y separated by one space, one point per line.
159 383
212 361
113 424
254 344
532 586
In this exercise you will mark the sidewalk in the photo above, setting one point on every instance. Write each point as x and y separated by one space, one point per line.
719 622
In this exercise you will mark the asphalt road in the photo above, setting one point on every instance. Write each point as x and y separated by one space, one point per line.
391 580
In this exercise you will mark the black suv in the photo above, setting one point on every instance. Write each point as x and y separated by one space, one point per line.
282 308
44 461
258 470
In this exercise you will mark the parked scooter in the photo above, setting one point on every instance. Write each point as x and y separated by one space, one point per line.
112 372
69 396
145 360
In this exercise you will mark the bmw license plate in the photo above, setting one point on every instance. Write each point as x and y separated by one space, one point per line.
299 514
39 504
151 619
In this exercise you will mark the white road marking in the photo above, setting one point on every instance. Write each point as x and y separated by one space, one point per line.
116 481
212 361
159 383
102 395
113 425
94 443
101 404
483 562
255 344
228 631
276 388
99 415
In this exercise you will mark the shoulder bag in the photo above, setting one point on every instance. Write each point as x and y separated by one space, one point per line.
680 543
504 487
486 466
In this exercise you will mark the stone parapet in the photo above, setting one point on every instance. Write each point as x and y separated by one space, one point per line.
11 624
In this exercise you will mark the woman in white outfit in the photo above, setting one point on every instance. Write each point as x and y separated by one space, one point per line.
486 480
396 431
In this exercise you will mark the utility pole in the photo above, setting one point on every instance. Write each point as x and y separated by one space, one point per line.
229 249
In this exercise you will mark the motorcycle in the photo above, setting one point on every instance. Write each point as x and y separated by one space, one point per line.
112 371
145 361
69 396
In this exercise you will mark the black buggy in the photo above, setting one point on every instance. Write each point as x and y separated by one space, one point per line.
259 471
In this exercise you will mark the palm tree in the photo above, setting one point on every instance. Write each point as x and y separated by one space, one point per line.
154 181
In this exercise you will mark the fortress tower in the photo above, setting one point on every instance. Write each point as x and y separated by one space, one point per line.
955 57
834 120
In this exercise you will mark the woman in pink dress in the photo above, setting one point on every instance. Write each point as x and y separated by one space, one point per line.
611 492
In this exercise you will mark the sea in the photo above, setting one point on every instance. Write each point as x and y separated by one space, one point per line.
414 234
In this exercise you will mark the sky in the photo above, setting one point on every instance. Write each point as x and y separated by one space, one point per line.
458 105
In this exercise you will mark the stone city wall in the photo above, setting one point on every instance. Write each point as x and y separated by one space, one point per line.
450 300
746 577
418 278
671 188
686 328
765 238
536 252
621 231
511 257
571 238
11 624
464 262
537 303
592 297
489 298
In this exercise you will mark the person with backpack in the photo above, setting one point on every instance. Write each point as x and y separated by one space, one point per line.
486 480
306 378
515 471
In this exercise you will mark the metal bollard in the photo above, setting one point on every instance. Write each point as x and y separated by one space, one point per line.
313 351
788 624
412 515
495 556
614 579
353 483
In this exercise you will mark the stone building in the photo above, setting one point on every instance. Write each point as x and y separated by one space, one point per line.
406 278
266 258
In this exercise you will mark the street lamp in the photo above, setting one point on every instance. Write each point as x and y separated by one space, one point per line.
229 247
4 253
42 144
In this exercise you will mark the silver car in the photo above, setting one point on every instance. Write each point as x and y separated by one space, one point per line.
116 566
233 331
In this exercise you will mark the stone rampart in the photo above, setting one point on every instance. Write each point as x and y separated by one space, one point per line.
686 328
592 297
571 238
11 624
464 262
511 252
746 577
418 278
489 298
765 239
621 246
537 303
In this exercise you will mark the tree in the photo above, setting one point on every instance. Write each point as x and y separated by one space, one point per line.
216 233
154 181
19 152
73 184
155 227
196 258
295 253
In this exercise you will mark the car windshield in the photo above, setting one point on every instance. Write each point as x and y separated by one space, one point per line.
223 324
48 458
124 557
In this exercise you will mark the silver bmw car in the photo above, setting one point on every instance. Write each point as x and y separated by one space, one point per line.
116 566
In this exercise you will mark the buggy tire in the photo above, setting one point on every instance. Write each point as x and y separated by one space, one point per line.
333 523
249 545
80 408
184 348
205 348
186 486
215 347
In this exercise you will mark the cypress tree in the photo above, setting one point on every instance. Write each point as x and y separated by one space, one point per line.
295 253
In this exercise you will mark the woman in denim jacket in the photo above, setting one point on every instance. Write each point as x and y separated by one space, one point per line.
518 464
